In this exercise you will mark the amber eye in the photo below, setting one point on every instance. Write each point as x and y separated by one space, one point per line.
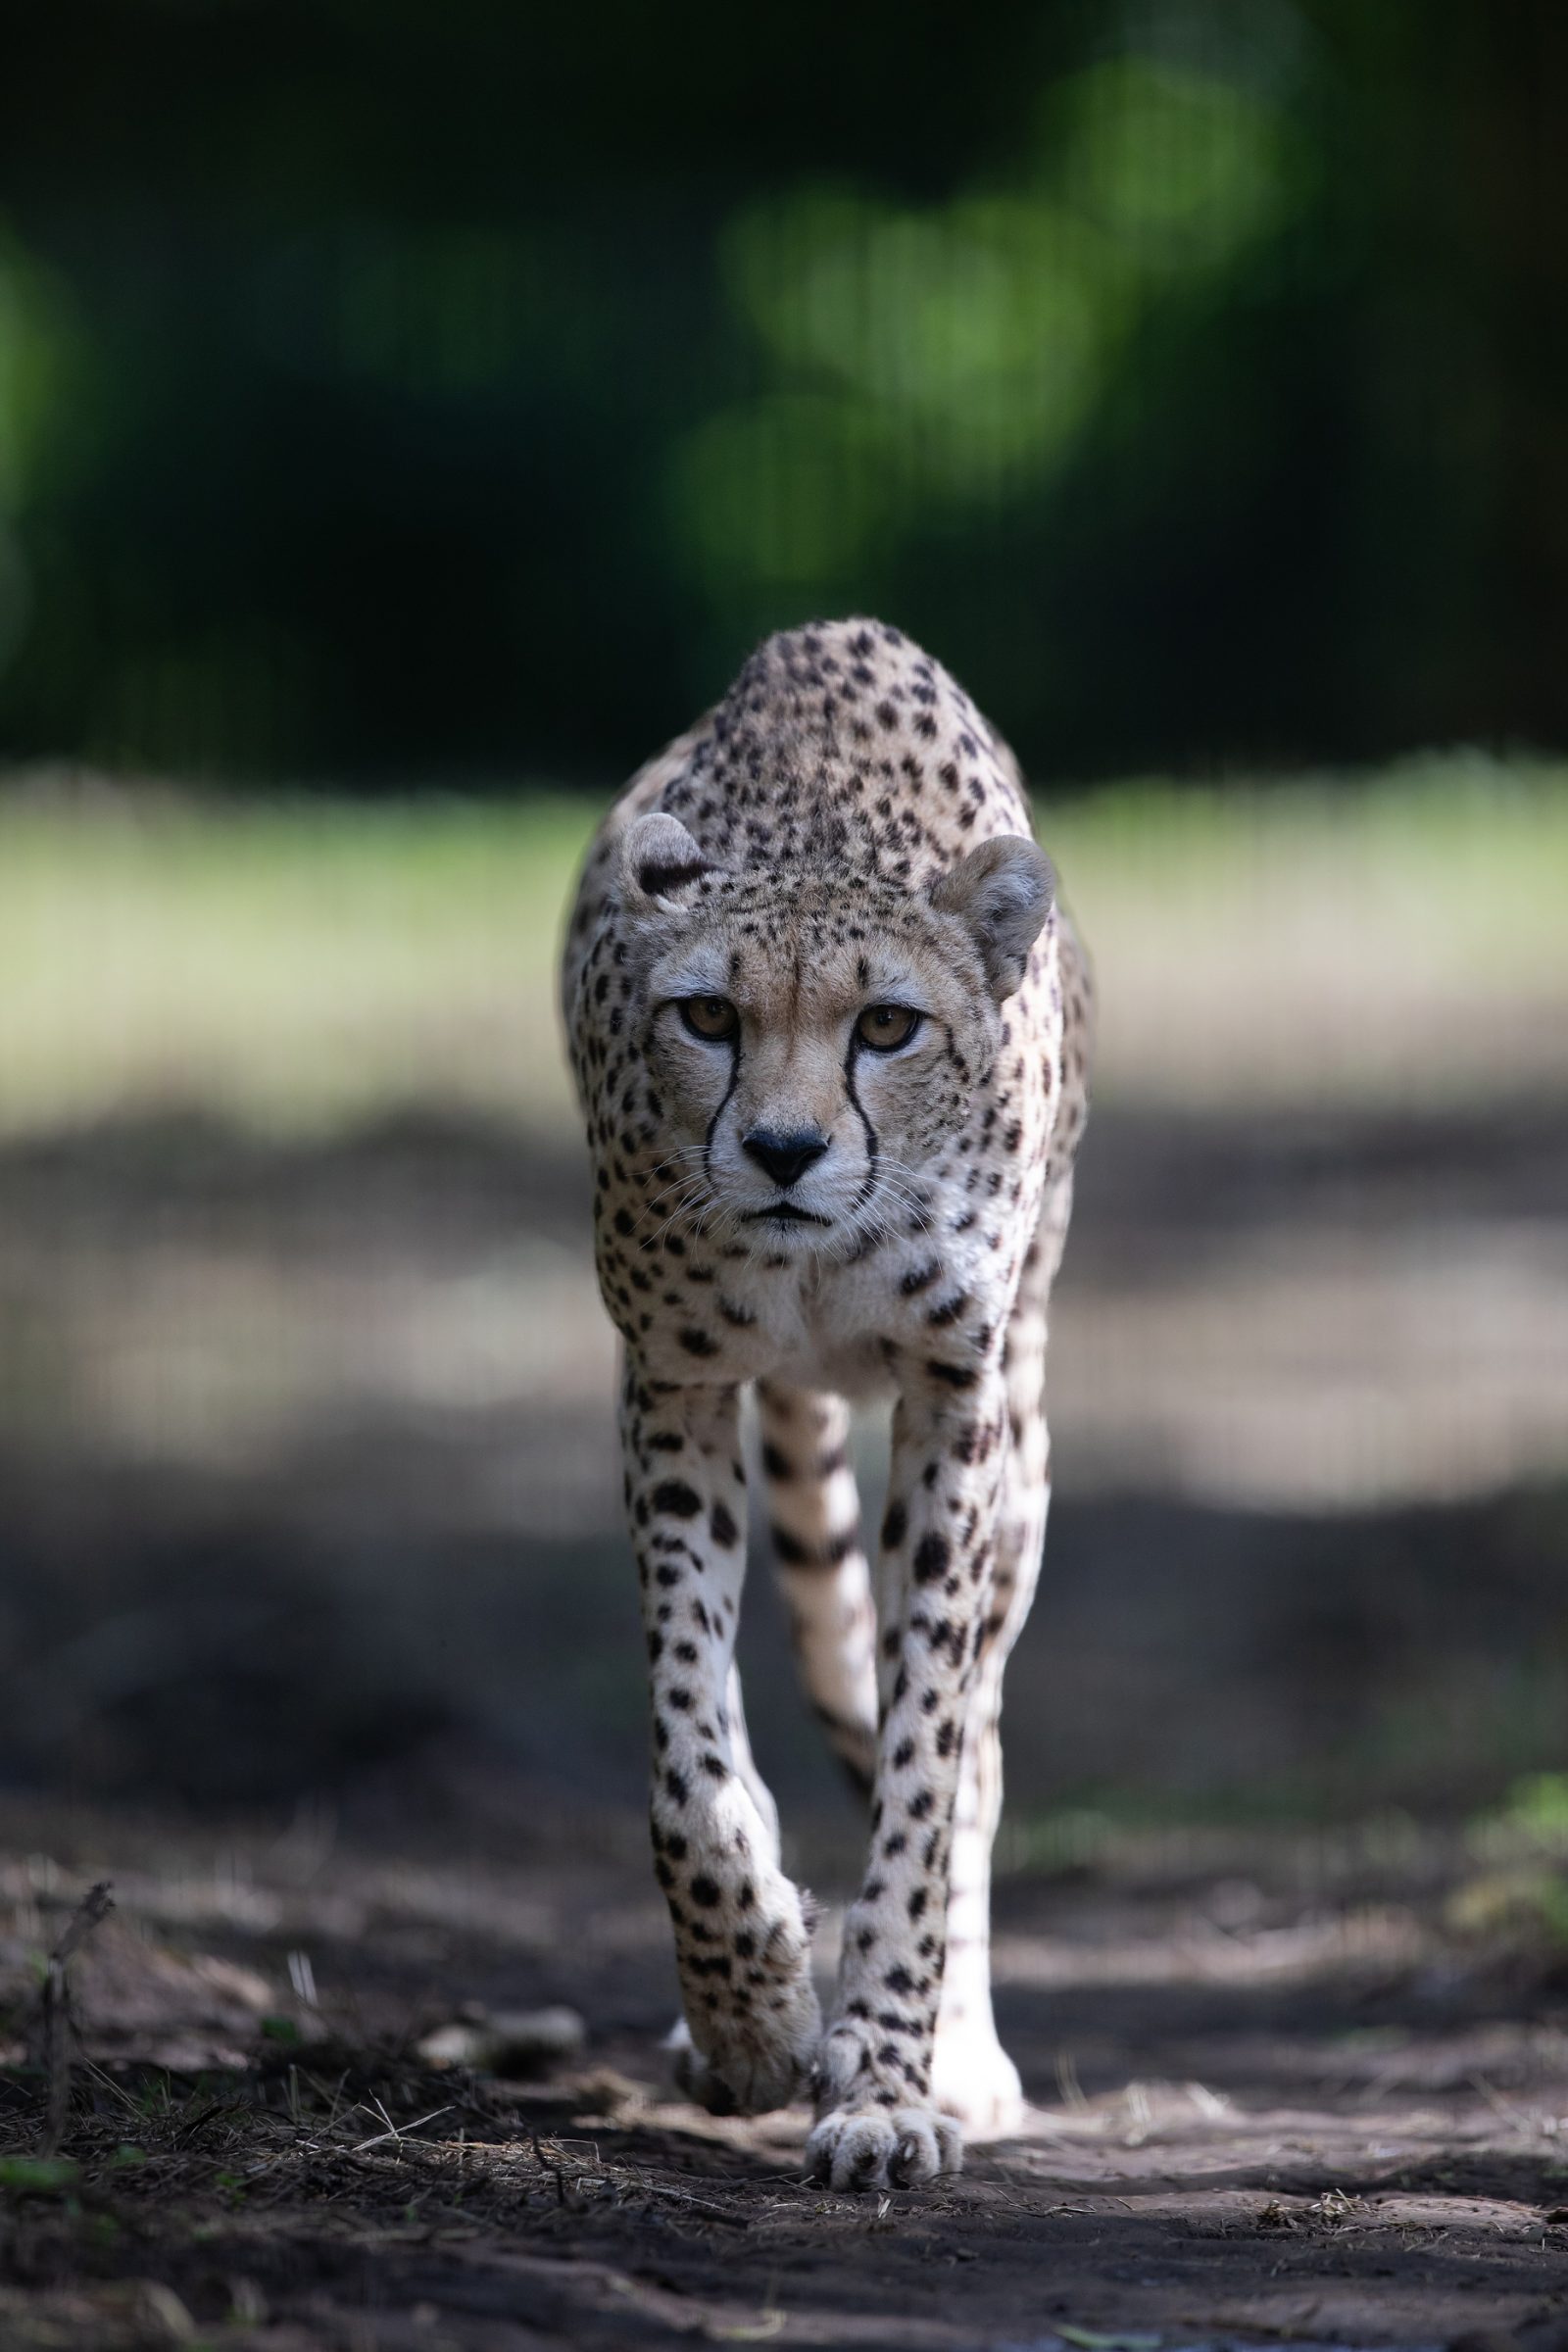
884 1027
712 1018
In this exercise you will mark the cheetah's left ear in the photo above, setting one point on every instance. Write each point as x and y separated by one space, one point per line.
1003 891
658 859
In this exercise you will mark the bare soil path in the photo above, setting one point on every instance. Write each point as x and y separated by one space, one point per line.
1278 2099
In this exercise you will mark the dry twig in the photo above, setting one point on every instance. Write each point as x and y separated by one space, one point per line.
94 1906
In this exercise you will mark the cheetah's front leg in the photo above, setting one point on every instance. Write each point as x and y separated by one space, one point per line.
742 1942
878 2123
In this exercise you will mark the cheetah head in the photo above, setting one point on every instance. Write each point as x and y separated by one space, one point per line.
813 1039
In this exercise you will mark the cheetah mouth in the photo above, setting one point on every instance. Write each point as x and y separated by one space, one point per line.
783 1212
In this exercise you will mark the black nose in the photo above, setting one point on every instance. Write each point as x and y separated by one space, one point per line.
784 1156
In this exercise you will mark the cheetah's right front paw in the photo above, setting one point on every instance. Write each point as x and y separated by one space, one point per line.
756 2035
770 2079
746 2074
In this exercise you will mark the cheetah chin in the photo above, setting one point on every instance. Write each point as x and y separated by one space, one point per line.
830 1029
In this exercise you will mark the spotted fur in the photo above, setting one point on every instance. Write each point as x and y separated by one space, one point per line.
786 1199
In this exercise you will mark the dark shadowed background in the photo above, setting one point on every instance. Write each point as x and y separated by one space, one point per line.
390 395
406 421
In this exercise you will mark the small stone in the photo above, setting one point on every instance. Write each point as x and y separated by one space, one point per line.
506 2041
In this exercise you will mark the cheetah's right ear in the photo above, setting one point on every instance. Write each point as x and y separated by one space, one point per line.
659 860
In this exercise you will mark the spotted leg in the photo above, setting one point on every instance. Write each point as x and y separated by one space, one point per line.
814 1512
877 2121
973 2077
742 1941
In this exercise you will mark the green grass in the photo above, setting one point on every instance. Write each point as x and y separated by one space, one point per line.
293 966
300 966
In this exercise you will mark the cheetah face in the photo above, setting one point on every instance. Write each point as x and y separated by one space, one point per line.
812 1043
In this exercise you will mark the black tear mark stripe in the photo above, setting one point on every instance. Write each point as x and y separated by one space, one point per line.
712 1124
873 1149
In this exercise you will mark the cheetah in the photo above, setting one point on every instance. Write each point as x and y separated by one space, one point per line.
831 1034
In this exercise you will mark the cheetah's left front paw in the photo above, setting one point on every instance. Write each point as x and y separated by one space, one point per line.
882 2147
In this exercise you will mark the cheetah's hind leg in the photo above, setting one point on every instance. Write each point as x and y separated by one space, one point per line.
814 1511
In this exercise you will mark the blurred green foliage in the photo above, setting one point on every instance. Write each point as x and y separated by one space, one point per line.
394 393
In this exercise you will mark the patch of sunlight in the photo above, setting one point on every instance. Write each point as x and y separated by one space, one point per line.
301 966
289 967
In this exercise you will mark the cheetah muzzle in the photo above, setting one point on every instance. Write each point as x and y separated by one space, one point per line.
831 1034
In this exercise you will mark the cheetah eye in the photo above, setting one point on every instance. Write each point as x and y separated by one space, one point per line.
886 1027
712 1019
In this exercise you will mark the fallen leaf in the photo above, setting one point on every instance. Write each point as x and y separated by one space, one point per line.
1088 2340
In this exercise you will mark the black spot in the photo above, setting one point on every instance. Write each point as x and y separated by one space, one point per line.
721 1525
826 1554
895 1525
680 1500
698 1343
930 1558
705 1891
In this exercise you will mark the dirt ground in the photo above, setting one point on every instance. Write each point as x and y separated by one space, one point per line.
322 1432
321 1645
1279 2095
